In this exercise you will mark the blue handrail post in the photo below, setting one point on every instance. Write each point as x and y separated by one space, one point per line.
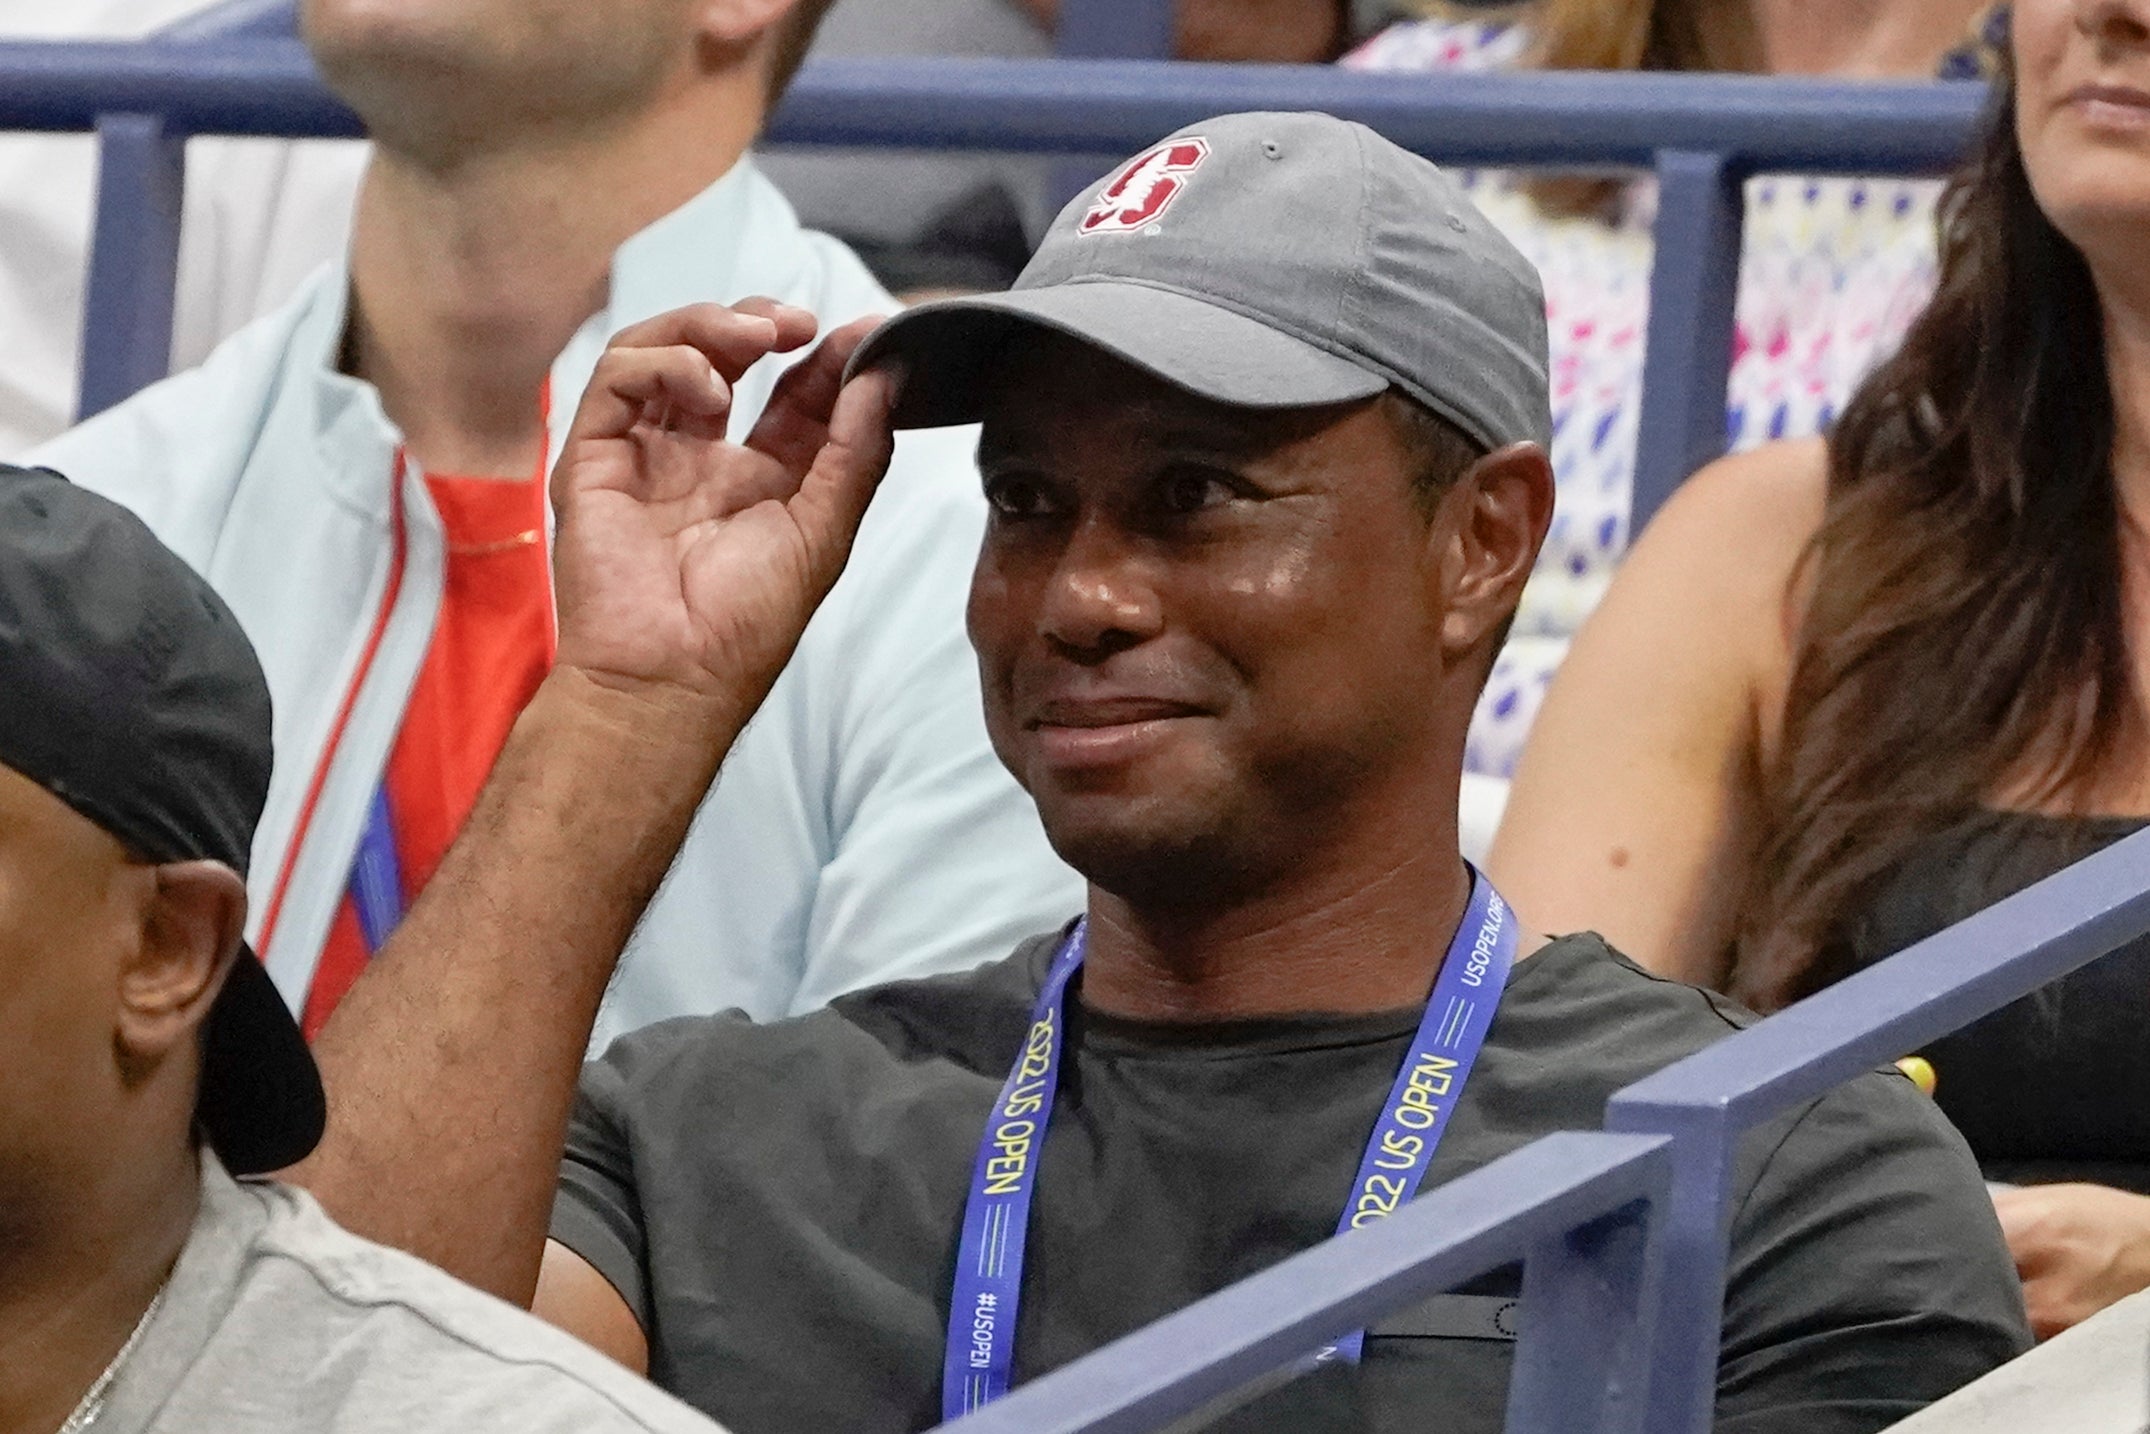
134 259
1589 1310
1684 1310
1687 361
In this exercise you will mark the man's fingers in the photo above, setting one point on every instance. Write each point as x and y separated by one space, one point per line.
796 327
795 424
628 381
833 497
733 337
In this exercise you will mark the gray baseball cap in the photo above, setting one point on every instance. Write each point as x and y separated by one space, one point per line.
1263 261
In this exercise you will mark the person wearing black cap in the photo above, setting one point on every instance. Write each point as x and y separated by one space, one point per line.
1264 433
145 1283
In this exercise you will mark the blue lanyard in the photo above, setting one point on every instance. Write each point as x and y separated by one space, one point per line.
377 876
979 1360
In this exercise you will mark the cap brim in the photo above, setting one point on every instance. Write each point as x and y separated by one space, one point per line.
951 348
261 1102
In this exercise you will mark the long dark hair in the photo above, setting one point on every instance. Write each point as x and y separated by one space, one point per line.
1958 614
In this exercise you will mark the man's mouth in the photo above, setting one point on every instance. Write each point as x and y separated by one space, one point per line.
1099 734
1098 712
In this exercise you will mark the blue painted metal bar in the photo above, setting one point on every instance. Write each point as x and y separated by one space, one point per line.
1583 1361
1694 291
134 259
250 87
1574 120
1943 983
237 20
1567 121
1190 1360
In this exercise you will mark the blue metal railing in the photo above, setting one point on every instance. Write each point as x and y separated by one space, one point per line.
1701 134
1708 1101
1594 1215
1578 1209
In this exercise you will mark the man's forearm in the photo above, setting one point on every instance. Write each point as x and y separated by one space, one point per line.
451 1065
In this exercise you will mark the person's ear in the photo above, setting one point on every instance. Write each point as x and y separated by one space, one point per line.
1495 520
193 923
736 26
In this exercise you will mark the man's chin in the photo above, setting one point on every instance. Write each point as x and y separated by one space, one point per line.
1135 851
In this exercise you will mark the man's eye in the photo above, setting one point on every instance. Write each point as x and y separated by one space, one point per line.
1016 497
1182 493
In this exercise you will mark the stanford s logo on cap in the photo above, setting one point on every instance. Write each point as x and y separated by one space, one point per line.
1146 188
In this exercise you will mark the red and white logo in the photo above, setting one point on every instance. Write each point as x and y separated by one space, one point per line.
1146 188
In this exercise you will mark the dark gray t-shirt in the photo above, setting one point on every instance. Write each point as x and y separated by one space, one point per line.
780 1203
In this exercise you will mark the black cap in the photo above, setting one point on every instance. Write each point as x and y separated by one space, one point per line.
128 691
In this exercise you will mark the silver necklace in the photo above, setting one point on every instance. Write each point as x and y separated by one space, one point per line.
93 1399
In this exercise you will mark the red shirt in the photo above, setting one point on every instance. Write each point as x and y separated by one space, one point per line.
492 644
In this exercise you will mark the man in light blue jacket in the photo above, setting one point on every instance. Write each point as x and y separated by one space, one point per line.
547 172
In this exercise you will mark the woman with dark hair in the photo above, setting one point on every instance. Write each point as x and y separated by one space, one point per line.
1832 271
1844 695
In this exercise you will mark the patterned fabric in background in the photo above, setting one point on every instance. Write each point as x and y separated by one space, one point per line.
1833 272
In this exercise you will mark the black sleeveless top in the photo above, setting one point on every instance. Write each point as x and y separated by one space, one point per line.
2057 1085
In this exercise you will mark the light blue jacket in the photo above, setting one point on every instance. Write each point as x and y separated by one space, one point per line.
861 830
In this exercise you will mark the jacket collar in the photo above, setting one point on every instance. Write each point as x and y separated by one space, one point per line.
737 238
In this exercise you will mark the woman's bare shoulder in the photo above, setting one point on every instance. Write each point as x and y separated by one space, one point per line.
1749 517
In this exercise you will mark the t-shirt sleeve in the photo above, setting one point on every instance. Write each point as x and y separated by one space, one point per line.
1869 1275
597 1210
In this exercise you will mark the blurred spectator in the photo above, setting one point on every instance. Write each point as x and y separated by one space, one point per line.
361 475
1833 272
1846 694
260 216
150 1062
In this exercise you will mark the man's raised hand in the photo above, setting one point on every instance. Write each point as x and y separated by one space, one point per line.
688 564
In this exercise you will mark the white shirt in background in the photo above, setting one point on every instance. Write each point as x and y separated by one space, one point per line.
261 215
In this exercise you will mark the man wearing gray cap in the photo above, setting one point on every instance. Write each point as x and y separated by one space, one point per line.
147 1283
1264 443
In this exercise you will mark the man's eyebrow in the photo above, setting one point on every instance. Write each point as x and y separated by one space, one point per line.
1181 438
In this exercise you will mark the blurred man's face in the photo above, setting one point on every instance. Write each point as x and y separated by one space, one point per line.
434 73
1203 631
70 913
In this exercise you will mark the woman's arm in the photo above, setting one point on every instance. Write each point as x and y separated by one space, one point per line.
1635 811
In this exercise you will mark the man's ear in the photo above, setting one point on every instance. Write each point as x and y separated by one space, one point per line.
191 931
1494 521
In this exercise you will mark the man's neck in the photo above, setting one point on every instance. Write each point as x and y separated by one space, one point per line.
74 1285
1342 940
469 276
1861 39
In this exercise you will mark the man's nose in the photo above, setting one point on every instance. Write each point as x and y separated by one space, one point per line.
1102 597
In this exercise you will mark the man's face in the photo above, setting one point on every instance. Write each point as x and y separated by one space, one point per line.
70 905
423 72
1203 632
